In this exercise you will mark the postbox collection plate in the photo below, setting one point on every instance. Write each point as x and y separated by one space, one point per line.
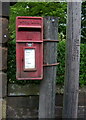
29 48
29 57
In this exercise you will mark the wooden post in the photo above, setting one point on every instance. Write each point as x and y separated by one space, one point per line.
71 89
47 87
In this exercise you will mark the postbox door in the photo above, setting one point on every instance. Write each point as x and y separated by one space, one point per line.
30 62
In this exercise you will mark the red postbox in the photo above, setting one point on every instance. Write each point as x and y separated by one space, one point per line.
29 48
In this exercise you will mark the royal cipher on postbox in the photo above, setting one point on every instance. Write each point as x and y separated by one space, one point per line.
29 48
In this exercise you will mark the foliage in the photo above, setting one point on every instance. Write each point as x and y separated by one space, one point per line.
83 65
61 60
61 66
11 71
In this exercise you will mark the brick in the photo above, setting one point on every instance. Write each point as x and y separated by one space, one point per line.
4 34
4 103
3 58
0 58
2 109
0 30
3 85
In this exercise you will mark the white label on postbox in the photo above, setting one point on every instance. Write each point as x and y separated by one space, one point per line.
29 58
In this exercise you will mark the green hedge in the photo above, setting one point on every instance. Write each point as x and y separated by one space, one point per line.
61 60
61 66
11 72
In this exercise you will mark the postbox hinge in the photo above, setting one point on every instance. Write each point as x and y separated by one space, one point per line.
49 65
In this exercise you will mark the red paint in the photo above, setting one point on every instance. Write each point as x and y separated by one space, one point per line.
29 30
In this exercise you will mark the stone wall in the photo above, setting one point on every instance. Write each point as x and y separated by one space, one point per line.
23 101
27 106
4 18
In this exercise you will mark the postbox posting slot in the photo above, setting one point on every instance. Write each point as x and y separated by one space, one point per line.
29 28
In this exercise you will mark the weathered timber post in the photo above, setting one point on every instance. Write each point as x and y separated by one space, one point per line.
71 89
4 15
47 87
